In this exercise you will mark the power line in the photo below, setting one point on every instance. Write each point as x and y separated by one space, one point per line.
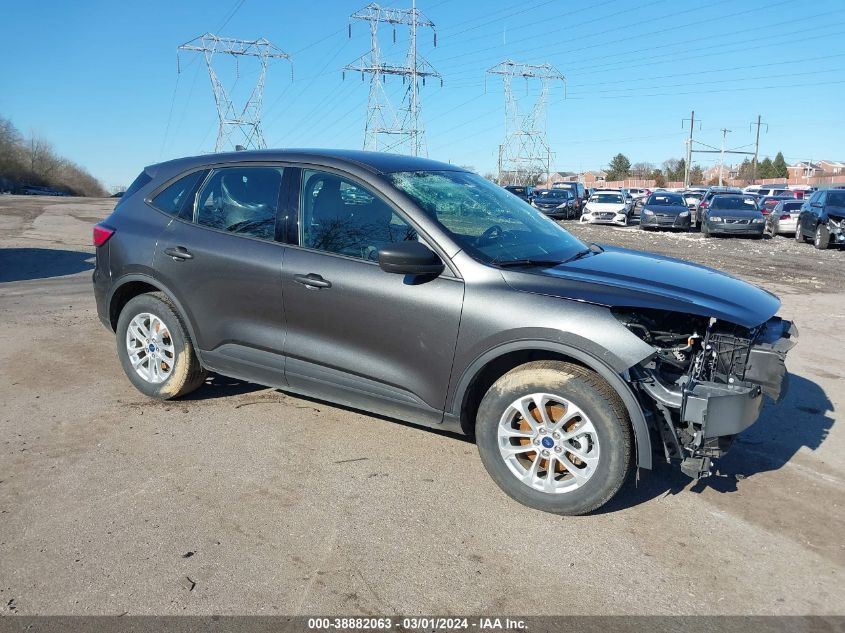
601 42
520 27
232 13
457 25
630 26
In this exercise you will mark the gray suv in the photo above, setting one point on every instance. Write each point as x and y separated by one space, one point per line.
420 291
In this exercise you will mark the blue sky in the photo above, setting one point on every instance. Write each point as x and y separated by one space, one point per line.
99 79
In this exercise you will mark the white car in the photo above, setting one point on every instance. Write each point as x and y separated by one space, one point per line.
637 193
607 207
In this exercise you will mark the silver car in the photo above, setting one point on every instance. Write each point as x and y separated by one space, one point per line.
784 218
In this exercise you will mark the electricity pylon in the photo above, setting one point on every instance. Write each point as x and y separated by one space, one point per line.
400 125
247 120
525 151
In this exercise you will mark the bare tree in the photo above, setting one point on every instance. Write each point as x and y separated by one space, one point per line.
32 161
642 170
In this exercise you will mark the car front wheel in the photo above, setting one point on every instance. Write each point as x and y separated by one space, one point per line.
155 350
555 437
821 239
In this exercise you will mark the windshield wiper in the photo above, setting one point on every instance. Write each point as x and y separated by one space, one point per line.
580 254
513 263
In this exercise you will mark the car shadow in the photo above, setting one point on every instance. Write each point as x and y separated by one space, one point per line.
219 386
801 420
22 264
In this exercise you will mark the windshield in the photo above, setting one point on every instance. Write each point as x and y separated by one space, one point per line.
560 193
728 203
492 225
836 198
665 200
607 198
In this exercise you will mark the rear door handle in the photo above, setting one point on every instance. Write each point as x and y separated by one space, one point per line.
312 280
179 253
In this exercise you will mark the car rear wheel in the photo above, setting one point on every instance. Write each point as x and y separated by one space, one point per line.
705 231
821 239
155 350
799 234
555 437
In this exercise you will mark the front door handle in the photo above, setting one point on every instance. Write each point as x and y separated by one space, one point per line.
179 253
312 280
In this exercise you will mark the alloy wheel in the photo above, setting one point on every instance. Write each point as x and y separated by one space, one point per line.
150 347
548 443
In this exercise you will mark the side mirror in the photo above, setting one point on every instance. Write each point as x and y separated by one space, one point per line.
409 258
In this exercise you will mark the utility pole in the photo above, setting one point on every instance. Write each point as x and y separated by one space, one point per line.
525 151
757 149
722 153
499 165
400 124
246 120
688 165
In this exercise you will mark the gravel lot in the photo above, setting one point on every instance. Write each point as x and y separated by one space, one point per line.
234 502
779 261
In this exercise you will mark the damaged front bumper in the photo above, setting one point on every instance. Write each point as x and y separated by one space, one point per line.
700 418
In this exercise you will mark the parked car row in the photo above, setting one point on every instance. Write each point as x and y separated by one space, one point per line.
764 210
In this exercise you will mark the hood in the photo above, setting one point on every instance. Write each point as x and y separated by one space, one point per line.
620 277
740 214
667 208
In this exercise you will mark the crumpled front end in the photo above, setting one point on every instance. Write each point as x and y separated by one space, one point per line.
836 228
707 380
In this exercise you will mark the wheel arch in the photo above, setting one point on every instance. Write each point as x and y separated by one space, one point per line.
488 367
135 284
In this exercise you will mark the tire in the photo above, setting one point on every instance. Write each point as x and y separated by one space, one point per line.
799 235
705 231
821 239
177 370
562 388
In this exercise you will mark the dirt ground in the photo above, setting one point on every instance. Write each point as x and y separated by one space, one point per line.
780 261
246 500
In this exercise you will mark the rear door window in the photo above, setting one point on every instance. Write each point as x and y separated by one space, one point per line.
242 200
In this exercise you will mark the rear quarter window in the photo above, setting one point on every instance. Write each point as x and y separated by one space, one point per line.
142 179
177 199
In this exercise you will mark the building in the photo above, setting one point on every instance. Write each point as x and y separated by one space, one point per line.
804 169
832 167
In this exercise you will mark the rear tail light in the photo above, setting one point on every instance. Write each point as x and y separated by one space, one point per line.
703 205
102 233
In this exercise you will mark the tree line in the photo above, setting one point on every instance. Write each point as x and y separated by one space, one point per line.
32 162
674 170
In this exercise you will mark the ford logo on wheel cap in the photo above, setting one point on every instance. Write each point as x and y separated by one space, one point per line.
548 442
